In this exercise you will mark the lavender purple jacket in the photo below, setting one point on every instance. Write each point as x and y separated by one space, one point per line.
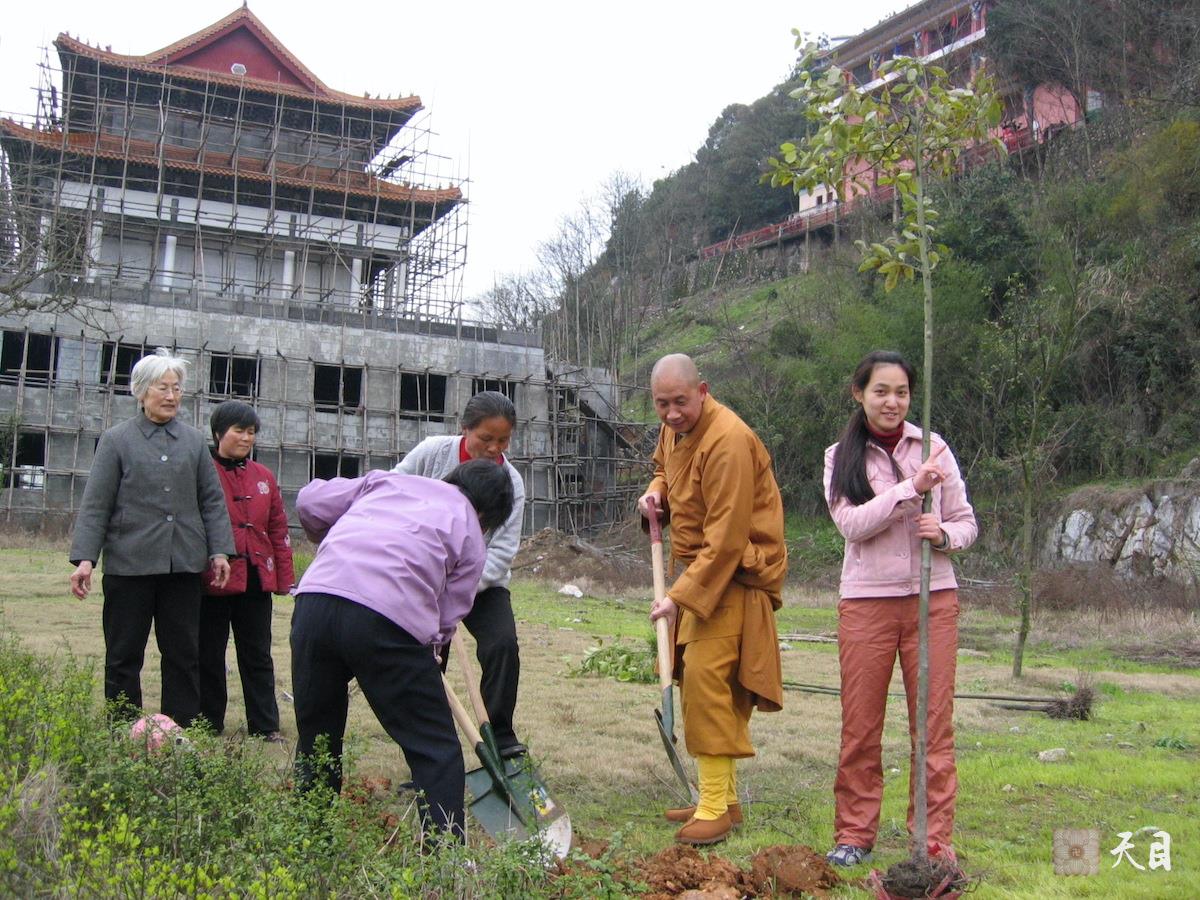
409 548
883 553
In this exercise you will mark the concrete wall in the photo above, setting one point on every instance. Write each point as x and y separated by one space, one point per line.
73 407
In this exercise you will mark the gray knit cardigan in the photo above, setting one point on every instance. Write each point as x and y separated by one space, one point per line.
437 457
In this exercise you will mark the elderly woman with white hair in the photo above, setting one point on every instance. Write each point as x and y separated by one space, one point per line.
155 508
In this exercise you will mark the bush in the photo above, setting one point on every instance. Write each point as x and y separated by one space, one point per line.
624 662
86 812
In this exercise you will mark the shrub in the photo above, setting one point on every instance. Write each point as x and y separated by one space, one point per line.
86 812
622 661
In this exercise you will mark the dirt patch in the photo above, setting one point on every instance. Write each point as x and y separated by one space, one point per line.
560 559
590 847
783 871
780 871
678 870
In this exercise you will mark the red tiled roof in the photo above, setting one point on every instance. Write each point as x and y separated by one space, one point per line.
175 57
107 146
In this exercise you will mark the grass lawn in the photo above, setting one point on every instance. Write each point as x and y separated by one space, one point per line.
1133 767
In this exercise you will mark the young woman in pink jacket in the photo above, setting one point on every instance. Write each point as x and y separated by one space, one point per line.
874 482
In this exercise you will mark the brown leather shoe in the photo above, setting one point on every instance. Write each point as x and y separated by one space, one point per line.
700 832
682 815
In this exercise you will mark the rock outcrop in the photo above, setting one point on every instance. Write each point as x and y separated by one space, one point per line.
1147 532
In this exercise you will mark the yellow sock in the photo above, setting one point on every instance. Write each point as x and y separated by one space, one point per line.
731 796
714 773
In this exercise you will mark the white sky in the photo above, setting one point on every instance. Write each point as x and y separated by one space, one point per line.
535 102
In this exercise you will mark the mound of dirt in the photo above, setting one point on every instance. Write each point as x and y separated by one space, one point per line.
782 871
682 871
561 558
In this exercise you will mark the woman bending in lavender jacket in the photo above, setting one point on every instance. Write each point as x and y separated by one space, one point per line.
394 574
874 479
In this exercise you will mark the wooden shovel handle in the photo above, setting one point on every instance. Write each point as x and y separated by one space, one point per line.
662 632
464 662
461 716
666 663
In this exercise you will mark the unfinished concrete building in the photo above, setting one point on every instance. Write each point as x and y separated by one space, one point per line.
293 243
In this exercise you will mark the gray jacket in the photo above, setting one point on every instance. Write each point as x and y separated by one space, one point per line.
437 457
153 502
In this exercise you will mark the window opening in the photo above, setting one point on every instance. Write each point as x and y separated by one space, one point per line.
117 362
28 472
423 393
335 465
233 376
500 385
38 360
337 387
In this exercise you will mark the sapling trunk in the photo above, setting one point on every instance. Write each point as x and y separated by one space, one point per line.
920 837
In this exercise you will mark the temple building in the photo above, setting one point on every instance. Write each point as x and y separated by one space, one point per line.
297 244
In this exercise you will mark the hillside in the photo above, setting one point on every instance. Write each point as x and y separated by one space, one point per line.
1069 279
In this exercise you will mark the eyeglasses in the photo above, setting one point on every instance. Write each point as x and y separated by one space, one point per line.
168 388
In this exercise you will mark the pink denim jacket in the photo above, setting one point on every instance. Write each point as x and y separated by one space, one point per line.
883 553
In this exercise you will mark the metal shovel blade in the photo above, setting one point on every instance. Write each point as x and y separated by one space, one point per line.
490 807
493 807
666 732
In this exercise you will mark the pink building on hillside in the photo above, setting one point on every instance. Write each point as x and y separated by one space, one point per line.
950 33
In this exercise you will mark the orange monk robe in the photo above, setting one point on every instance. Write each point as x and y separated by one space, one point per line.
726 518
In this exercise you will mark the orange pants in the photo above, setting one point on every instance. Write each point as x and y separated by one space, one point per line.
870 634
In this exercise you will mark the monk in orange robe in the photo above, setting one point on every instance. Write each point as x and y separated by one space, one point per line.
714 482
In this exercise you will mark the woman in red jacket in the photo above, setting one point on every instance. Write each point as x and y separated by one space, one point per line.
262 566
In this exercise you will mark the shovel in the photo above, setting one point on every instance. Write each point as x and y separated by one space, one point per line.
510 799
666 659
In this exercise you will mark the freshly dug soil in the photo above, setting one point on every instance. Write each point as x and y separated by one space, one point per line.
785 870
680 869
781 871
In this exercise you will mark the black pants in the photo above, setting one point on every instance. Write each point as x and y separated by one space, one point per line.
491 623
172 602
249 615
334 640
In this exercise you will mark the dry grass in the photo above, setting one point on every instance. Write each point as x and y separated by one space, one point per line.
571 723
595 740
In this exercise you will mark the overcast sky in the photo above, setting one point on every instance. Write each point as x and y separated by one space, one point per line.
535 103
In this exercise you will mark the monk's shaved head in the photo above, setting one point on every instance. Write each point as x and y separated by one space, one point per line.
676 367
677 392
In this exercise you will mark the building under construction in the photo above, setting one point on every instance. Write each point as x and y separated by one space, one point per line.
297 244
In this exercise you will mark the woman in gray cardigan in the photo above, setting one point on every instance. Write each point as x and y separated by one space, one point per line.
487 425
154 506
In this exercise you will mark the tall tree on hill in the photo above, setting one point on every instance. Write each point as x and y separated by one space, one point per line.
911 130
734 156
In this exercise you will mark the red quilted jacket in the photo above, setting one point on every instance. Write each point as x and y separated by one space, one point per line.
260 530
